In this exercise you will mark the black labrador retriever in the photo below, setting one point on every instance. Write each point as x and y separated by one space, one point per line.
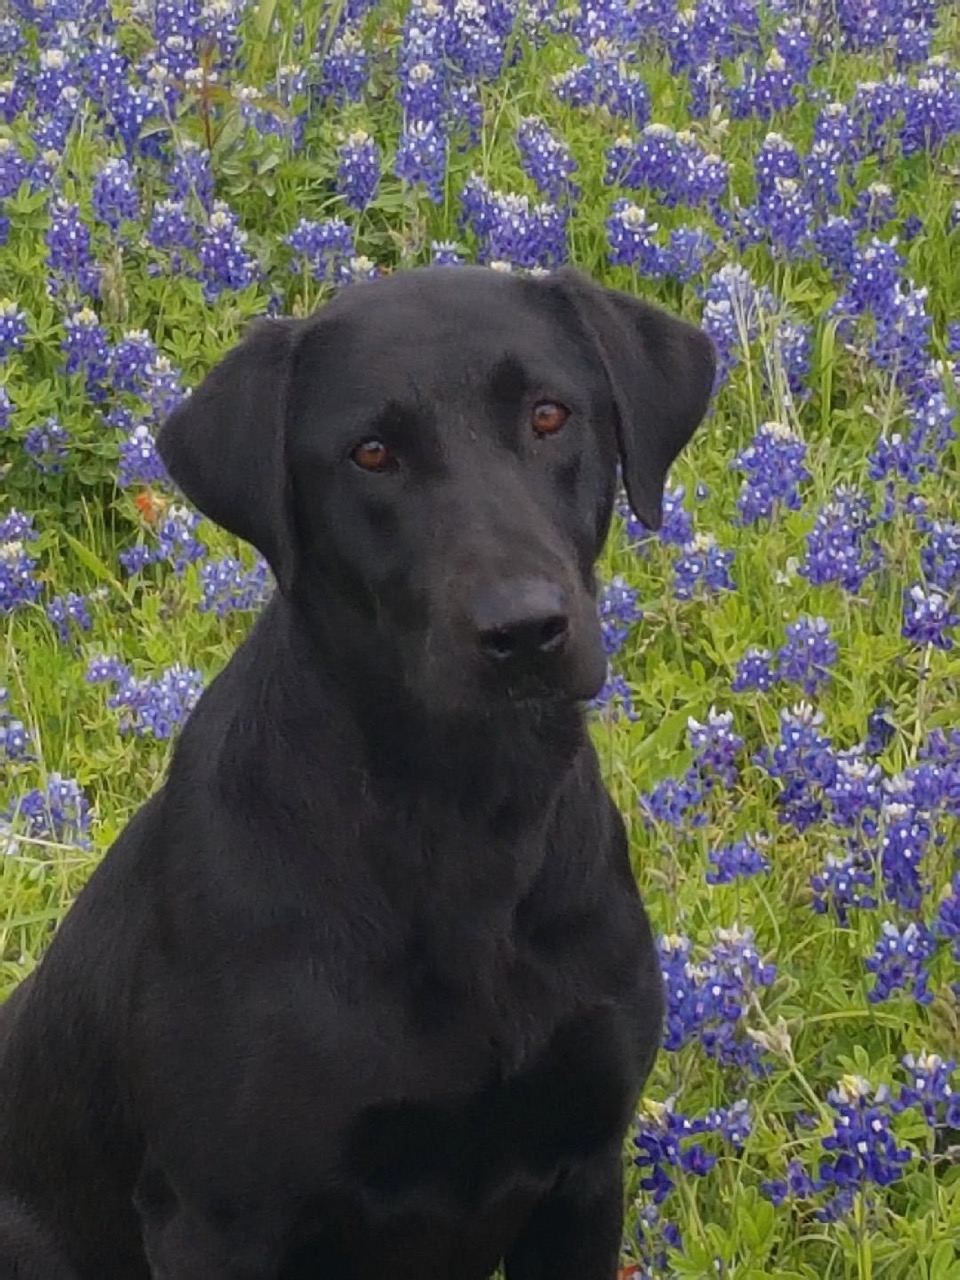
366 989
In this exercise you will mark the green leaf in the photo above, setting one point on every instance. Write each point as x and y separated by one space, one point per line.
90 560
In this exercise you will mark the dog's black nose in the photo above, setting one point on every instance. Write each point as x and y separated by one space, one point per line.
521 621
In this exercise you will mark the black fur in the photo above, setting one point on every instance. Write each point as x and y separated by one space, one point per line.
366 988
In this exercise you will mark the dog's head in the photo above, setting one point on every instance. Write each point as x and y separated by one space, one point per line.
434 456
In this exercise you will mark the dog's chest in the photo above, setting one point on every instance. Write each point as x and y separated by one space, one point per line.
521 1113
437 1152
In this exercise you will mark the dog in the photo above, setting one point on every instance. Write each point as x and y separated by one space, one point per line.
367 987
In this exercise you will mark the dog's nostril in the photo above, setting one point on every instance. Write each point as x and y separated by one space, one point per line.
498 644
526 637
553 633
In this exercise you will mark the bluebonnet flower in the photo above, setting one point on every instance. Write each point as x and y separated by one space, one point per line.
839 548
59 812
114 197
225 262
47 446
322 248
13 168
731 315
774 465
677 527
876 206
616 696
898 963
862 1146
835 240
804 763
15 739
879 732
66 610
172 228
665 1141
792 350
130 359
604 81
86 348
163 390
632 239
876 106
422 91
512 230
13 327
929 1090
940 557
157 707
546 159
103 669
807 654
909 457
464 115
176 540
54 75
345 68
906 836
654 163
421 158
358 175
135 559
777 159
783 217
947 922
901 341
229 588
687 253
716 746
675 801
765 92
446 253
191 176
708 90
702 567
477 38
913 42
855 794
70 262
794 44
843 884
708 997
928 617
797 1185
874 276
619 612
140 463
931 110
653 1235
822 174
754 671
740 860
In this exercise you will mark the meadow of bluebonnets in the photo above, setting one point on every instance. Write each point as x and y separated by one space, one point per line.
781 724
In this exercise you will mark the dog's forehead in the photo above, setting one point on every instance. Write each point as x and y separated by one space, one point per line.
446 306
434 332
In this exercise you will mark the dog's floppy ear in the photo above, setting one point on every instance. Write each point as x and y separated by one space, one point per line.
661 371
224 445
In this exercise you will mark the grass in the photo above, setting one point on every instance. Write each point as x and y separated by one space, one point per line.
814 1024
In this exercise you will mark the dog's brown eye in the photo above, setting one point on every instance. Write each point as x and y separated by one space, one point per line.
373 455
548 417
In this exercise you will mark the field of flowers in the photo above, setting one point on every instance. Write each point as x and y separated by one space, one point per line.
782 722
